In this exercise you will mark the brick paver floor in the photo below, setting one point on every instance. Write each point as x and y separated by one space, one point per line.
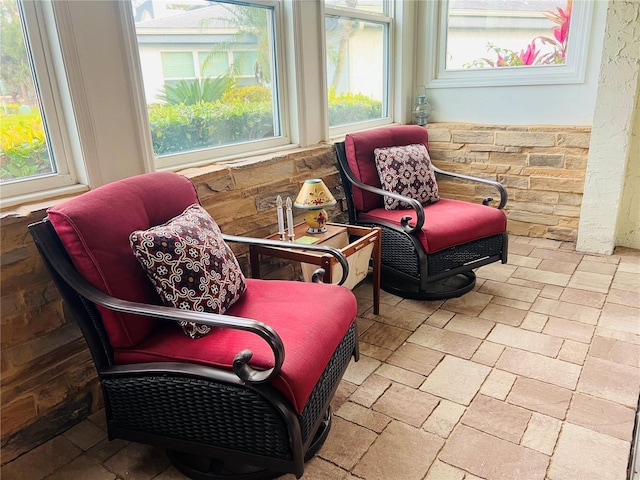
533 375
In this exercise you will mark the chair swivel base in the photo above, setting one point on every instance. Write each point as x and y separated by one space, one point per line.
451 287
203 468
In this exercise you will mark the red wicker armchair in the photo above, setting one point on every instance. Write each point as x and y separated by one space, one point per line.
430 248
250 399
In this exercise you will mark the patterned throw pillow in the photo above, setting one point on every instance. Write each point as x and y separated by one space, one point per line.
190 265
406 170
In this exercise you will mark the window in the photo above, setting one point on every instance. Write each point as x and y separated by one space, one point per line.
357 36
32 136
520 42
219 86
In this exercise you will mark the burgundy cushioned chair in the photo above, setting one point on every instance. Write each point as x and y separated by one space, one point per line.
248 400
428 251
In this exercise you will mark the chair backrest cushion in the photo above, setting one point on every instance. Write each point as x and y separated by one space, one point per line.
94 229
360 148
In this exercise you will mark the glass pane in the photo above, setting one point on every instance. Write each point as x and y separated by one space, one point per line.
213 64
195 107
24 150
177 65
245 63
356 70
500 33
377 6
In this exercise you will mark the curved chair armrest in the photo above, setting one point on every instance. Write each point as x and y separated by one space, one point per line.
43 233
415 205
337 254
501 190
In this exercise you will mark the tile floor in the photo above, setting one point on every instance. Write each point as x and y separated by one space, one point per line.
533 375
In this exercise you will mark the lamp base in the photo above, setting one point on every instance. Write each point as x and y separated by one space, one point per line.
316 220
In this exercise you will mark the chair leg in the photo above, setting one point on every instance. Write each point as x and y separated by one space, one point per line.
450 287
320 437
202 468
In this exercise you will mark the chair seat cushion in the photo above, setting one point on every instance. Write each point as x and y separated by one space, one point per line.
310 318
447 222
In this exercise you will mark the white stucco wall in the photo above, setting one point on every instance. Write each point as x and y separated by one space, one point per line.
613 124
628 234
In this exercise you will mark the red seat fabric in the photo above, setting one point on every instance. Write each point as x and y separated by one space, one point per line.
98 244
447 222
310 318
359 149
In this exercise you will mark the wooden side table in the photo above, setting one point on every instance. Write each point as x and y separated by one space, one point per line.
357 252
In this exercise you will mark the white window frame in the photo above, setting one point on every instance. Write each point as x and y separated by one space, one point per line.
55 104
386 20
433 15
226 152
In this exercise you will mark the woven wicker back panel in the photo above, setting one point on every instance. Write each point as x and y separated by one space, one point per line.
316 405
464 254
199 411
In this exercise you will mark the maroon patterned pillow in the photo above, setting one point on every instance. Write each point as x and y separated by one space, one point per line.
190 265
406 170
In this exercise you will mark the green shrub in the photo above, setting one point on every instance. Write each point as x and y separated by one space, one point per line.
248 94
23 150
242 114
178 128
350 108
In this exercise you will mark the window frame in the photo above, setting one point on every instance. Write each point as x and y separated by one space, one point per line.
386 19
434 16
206 156
42 44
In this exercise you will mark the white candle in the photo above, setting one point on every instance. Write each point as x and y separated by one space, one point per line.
290 220
281 231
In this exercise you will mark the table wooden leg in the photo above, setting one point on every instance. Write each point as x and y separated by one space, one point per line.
377 262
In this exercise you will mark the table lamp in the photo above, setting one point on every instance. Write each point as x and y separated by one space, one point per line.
314 196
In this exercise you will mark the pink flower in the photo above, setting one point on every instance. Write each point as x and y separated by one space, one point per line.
529 56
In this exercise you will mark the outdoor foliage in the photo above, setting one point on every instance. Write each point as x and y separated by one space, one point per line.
190 92
241 115
23 150
531 54
352 107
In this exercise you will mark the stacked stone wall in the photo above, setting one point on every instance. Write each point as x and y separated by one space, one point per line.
542 167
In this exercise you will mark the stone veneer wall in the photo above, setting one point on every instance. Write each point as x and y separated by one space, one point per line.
48 379
542 167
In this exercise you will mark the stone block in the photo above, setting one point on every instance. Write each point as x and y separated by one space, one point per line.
567 210
526 139
251 175
533 207
464 156
569 198
438 134
516 159
486 148
471 136
557 184
514 181
18 413
578 140
546 160
531 217
576 162
526 196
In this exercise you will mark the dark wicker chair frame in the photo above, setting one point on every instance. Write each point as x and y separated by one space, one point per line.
407 270
214 423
